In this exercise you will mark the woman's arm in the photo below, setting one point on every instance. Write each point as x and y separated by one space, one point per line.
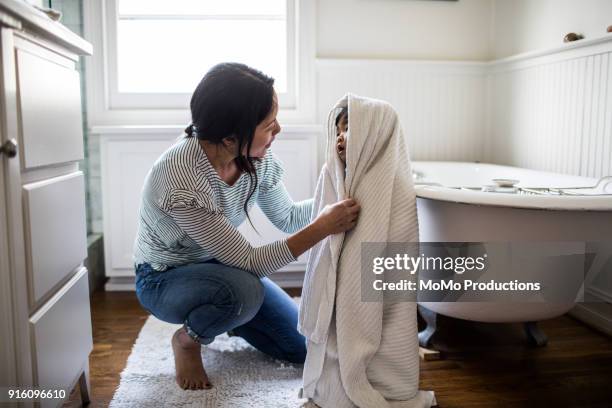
216 235
286 215
274 200
306 238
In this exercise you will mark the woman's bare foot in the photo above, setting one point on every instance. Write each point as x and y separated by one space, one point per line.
190 374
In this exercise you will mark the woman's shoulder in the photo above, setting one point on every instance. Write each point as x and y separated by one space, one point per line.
178 167
181 152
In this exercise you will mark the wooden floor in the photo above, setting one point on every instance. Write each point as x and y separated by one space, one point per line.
483 365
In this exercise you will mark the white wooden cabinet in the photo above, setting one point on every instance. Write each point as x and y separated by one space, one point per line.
45 322
127 154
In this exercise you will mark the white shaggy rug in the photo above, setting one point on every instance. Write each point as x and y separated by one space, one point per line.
241 375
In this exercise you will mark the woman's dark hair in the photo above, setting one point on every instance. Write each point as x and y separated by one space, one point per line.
343 113
230 101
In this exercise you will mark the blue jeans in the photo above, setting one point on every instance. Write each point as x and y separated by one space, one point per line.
210 298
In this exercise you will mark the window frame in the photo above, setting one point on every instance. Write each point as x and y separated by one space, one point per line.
106 106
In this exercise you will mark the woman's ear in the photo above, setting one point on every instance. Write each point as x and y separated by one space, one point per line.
229 142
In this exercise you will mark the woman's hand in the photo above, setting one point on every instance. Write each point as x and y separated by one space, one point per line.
338 217
335 218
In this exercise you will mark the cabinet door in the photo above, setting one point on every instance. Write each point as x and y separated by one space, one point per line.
8 368
299 163
13 285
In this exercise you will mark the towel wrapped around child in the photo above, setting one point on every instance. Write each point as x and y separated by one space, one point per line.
363 354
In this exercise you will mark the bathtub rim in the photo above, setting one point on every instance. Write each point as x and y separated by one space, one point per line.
567 203
455 195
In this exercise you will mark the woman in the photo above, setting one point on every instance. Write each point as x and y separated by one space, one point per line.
192 264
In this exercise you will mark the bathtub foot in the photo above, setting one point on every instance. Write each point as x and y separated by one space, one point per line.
431 318
535 335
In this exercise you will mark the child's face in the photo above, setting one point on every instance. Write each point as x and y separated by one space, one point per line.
341 130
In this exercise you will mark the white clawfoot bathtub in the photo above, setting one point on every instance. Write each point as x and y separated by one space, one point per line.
451 208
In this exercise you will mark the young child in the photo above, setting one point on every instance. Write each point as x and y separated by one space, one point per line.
341 129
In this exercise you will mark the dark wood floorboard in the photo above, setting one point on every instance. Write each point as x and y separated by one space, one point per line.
483 365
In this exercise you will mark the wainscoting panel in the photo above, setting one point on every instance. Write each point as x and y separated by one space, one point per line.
554 112
127 155
441 104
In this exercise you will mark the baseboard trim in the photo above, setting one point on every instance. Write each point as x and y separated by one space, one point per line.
120 284
596 315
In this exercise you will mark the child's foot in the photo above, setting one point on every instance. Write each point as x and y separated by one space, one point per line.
190 374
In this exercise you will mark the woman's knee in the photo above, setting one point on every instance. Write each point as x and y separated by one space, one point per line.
239 293
236 300
249 294
184 291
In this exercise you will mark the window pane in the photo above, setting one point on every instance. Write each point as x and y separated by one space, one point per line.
168 56
202 7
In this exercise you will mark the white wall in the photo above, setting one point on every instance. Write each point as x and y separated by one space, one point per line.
394 29
452 30
552 112
440 104
527 25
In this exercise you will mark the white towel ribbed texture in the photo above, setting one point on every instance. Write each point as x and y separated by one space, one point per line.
362 354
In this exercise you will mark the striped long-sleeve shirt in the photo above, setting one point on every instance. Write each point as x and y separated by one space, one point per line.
189 214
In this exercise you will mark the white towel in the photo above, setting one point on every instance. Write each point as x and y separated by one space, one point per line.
363 354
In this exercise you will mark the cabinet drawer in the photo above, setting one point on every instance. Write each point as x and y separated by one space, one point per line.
50 106
55 225
61 334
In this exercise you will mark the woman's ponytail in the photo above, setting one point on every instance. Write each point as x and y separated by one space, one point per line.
189 130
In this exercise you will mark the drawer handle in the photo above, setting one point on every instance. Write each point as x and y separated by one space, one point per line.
9 148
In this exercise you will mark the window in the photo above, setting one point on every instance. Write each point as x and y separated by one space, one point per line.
156 51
